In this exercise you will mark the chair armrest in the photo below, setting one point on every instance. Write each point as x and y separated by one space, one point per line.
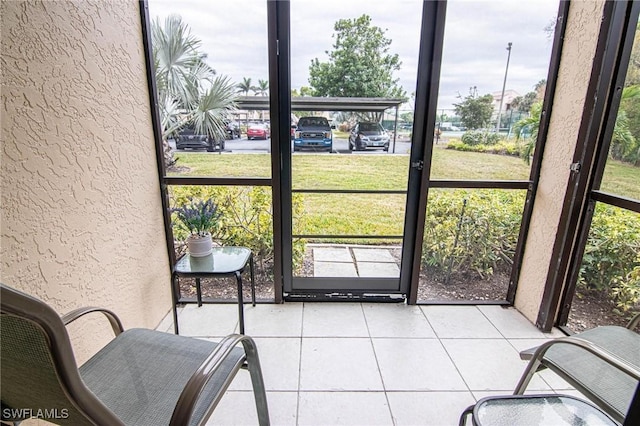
116 325
196 384
596 350
575 367
634 321
527 354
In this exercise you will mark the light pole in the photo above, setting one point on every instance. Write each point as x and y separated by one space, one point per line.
504 85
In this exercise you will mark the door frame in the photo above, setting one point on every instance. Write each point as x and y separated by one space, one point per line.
428 76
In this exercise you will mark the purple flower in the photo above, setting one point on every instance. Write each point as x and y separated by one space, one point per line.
198 217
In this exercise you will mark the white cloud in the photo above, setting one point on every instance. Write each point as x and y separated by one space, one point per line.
234 35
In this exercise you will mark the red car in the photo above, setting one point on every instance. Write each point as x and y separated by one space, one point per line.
257 131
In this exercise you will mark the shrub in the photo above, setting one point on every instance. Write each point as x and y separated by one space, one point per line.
625 290
501 148
477 137
487 232
610 262
246 218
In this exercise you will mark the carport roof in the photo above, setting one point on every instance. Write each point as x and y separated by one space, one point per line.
310 103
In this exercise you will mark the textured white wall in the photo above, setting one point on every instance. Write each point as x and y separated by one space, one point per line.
578 52
81 209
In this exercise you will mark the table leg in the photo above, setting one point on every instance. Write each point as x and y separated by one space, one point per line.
174 300
253 282
198 292
240 302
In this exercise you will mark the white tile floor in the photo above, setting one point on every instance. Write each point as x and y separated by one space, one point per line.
370 364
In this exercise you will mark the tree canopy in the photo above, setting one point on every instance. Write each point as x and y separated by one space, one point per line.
524 103
245 86
474 111
359 65
633 73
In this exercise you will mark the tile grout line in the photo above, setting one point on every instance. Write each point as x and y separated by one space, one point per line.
517 351
375 356
490 322
450 357
300 363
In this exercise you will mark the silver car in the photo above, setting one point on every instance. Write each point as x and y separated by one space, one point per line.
366 135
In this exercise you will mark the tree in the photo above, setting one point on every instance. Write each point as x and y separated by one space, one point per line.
540 87
189 91
474 111
625 142
524 103
306 91
245 86
530 124
262 88
633 72
359 65
407 116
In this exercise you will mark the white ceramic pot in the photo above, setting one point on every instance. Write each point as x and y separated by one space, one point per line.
200 246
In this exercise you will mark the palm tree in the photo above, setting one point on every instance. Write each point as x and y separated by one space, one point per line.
531 123
263 88
189 91
245 86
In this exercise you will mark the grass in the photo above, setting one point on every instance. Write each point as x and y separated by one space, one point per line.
361 214
621 179
375 172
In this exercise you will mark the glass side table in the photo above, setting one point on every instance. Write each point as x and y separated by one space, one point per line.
222 262
541 410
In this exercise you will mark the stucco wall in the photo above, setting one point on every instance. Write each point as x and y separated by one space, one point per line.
583 26
81 208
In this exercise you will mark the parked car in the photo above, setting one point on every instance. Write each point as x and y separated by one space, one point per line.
366 135
233 130
447 127
258 131
189 139
313 133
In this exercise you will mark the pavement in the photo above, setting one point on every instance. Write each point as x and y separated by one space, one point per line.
354 261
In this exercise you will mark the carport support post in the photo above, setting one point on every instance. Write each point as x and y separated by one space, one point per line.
395 131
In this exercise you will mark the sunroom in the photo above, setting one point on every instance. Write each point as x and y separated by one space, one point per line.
377 271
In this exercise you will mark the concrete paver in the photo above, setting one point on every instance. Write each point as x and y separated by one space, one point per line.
331 254
372 269
334 269
373 255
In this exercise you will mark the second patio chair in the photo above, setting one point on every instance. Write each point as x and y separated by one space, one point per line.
602 363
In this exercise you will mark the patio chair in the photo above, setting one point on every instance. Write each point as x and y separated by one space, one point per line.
602 363
140 377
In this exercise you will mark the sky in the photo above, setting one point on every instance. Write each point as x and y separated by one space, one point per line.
234 36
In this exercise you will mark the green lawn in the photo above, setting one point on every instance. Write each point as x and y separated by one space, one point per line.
621 179
376 214
344 171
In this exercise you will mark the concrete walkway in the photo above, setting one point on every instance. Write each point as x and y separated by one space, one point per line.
354 261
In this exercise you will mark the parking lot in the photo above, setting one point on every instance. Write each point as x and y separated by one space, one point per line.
243 145
340 145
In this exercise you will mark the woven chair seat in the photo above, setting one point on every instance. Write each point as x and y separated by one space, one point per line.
592 375
151 369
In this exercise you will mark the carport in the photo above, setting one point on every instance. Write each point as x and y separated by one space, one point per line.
312 103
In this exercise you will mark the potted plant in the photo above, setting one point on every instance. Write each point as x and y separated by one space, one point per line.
199 218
